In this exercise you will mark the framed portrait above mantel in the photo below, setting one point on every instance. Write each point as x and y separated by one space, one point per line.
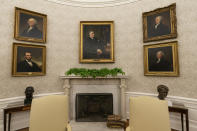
30 26
161 59
96 42
160 24
28 60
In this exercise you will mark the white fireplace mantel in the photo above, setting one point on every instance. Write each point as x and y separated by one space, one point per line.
122 85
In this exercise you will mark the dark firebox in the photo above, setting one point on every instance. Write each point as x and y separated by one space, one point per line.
93 107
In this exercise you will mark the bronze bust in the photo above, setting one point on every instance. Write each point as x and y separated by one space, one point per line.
29 95
163 91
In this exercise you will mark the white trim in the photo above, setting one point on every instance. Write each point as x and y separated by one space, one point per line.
189 103
93 3
6 101
170 97
107 77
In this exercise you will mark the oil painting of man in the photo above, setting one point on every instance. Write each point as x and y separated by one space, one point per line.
32 30
159 28
27 65
160 24
161 59
30 25
97 43
94 48
161 63
29 59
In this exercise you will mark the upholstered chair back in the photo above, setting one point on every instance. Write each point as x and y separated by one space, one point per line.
49 113
149 114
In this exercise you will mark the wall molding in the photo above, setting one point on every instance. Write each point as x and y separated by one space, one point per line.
189 103
4 102
93 3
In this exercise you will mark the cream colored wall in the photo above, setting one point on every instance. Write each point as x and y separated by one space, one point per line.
63 45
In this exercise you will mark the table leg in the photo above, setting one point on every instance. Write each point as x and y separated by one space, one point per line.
182 123
9 121
5 120
187 121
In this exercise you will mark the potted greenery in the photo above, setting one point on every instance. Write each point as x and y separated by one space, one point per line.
104 72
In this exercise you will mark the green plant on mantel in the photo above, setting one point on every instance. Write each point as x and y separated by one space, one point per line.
83 72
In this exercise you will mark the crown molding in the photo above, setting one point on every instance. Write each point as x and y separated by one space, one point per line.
93 3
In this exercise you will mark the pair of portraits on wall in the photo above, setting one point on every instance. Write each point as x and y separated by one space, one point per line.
29 59
160 59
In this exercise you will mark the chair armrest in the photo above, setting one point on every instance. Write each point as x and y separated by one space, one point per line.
128 129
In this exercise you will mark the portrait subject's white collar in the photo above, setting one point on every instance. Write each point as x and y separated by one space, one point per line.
158 60
30 28
157 25
29 62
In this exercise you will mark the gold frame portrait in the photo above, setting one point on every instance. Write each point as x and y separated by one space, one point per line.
101 60
175 63
173 23
14 60
17 35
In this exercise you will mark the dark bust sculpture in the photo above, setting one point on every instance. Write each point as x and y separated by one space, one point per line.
29 95
163 91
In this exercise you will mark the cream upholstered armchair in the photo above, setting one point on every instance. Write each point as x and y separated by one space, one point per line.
49 113
148 114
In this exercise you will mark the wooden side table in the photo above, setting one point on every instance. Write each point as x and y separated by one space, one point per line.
183 111
8 111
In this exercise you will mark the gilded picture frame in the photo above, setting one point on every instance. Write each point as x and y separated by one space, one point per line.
28 60
161 59
160 24
96 42
30 26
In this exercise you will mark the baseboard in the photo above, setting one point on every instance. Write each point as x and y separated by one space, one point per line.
189 103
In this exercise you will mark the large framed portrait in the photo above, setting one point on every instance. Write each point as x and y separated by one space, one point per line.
96 41
161 59
160 24
28 60
30 26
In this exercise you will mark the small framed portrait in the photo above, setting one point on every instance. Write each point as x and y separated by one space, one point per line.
28 60
30 26
97 41
160 24
161 59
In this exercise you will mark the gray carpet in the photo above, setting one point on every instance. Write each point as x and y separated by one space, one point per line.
83 126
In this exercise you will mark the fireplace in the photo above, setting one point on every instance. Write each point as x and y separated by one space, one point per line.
93 107
115 85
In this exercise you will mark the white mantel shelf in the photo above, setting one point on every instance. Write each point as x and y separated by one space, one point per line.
122 85
108 77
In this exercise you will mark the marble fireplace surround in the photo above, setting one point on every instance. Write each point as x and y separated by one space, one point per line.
115 85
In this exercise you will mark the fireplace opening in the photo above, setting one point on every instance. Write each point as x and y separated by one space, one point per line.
93 107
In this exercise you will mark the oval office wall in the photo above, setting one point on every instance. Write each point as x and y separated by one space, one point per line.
63 48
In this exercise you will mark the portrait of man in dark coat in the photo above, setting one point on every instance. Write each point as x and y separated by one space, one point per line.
159 28
32 30
27 65
94 48
160 63
96 42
